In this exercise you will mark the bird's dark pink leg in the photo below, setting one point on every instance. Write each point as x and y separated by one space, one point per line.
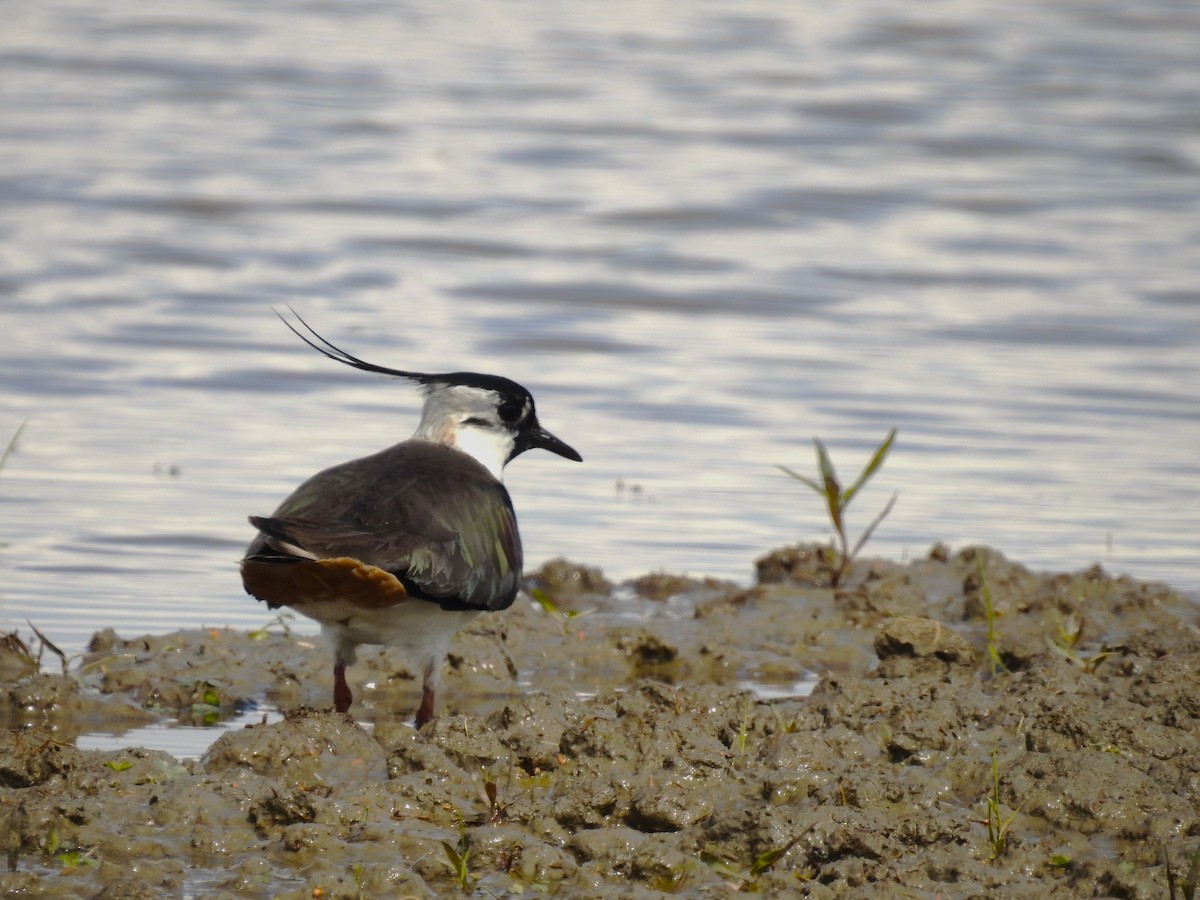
425 710
342 698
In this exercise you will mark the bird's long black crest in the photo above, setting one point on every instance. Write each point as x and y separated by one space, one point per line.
325 348
428 381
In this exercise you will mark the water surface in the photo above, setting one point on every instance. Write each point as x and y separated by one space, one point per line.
699 236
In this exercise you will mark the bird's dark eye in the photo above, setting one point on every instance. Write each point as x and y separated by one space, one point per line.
510 410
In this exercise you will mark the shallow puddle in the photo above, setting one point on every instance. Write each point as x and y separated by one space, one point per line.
181 741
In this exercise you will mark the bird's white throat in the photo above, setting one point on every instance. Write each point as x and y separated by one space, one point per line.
491 448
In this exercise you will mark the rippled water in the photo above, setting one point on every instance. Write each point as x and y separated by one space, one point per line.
699 236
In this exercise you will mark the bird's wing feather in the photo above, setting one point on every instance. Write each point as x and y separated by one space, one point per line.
298 581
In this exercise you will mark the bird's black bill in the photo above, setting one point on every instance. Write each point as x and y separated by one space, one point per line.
543 440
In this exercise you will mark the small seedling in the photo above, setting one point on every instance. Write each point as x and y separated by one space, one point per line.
69 857
497 811
782 725
768 858
74 859
739 741
838 500
742 739
563 615
1066 644
746 879
989 612
458 857
1070 630
997 822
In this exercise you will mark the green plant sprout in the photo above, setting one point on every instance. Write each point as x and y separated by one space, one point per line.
746 880
564 616
997 823
458 857
497 811
838 500
1066 644
989 612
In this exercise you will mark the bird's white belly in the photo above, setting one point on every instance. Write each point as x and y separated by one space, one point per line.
410 626
419 630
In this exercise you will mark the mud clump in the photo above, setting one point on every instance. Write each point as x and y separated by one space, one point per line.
620 752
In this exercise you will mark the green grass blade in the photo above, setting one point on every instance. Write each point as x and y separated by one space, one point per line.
866 535
832 489
545 602
825 465
768 858
990 614
871 468
802 478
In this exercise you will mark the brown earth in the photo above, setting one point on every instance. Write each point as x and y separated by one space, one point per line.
619 753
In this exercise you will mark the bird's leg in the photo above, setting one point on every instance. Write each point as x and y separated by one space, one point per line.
425 710
342 698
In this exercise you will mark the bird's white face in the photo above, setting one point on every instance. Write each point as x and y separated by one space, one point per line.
470 419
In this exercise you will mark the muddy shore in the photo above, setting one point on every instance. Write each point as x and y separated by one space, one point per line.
641 740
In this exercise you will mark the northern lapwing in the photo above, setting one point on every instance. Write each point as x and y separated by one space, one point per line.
406 546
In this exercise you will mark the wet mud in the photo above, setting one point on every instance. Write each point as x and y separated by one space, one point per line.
975 729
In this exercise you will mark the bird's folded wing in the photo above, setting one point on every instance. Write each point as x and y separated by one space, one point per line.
475 568
296 581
